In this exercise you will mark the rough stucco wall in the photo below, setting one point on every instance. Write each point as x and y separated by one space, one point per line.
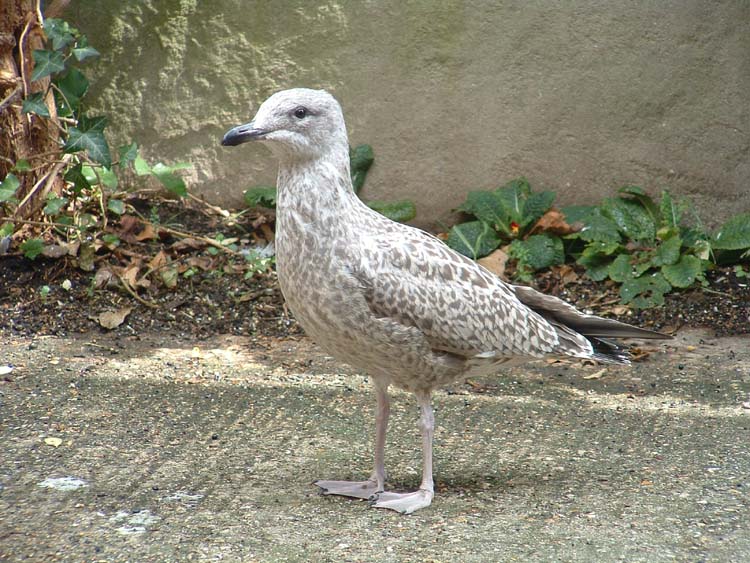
580 97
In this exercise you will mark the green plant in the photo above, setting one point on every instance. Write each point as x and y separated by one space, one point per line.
510 216
647 247
90 170
361 158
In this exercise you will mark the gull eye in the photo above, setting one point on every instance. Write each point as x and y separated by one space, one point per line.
300 113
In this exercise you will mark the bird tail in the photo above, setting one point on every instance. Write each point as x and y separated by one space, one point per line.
597 330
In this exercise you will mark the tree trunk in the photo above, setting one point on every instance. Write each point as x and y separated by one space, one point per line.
26 136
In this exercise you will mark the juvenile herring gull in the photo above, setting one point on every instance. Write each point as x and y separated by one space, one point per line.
392 299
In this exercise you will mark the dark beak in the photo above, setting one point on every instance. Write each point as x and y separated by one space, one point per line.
242 134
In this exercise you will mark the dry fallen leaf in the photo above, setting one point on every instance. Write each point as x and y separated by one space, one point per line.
595 375
553 222
161 259
495 262
113 319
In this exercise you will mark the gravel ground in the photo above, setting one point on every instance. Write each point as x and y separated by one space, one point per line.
164 447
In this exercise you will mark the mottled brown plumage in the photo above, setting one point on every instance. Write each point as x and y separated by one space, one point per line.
392 299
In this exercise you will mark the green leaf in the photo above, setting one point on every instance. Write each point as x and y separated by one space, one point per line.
95 123
621 269
7 229
72 87
361 158
644 199
54 204
401 211
8 187
631 218
108 178
671 213
538 251
577 213
261 196
668 252
59 32
111 240
92 141
644 292
600 248
599 228
76 177
489 208
140 166
597 266
165 174
513 195
473 239
46 63
535 206
685 272
32 248
83 50
735 234
127 154
35 104
116 206
22 165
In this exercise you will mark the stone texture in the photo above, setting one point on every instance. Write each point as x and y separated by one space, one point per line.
580 97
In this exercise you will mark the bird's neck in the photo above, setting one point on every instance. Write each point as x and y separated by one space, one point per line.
316 188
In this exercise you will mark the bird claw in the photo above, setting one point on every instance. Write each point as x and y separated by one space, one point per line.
354 489
405 503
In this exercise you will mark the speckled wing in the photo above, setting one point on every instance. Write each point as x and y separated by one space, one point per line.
415 279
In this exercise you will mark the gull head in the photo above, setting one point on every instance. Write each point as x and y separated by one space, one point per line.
299 123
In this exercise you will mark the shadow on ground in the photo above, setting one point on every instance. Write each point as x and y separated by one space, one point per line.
205 451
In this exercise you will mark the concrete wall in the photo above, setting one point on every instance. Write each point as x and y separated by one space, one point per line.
580 97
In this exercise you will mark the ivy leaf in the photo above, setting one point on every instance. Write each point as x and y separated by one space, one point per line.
401 211
116 206
8 187
92 141
96 123
538 251
165 174
683 273
361 158
489 208
140 166
261 196
735 234
128 154
474 239
83 50
76 177
46 63
54 205
72 87
59 32
22 165
668 252
32 248
644 292
35 104
535 206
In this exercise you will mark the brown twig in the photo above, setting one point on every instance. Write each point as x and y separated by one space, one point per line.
133 294
9 98
40 223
